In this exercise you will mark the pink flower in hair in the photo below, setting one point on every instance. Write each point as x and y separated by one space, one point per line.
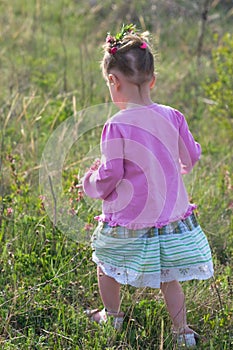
143 45
109 39
113 50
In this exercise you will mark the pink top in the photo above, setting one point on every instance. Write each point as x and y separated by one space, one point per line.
145 150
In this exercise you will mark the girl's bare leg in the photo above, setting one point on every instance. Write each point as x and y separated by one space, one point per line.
109 291
175 301
110 294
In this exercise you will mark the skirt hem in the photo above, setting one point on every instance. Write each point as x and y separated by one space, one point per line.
153 280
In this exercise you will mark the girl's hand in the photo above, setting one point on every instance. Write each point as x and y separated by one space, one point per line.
95 165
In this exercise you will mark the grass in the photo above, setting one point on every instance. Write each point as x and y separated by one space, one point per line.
49 60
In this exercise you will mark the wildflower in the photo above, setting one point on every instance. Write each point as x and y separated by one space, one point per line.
88 227
9 211
42 202
72 212
80 196
71 188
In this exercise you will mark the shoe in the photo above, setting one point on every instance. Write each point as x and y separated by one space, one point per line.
96 315
187 340
117 319
101 316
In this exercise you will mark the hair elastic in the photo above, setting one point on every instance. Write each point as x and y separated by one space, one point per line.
113 50
143 45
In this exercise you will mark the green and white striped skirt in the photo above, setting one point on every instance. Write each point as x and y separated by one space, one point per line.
146 257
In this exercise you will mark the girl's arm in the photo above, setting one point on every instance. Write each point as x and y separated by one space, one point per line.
101 182
189 149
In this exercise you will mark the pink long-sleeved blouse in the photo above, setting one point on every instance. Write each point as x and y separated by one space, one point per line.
145 150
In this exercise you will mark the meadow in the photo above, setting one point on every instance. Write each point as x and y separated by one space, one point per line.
51 82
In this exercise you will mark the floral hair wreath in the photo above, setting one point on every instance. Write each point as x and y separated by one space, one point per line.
116 41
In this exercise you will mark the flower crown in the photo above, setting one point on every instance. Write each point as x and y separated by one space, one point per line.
116 41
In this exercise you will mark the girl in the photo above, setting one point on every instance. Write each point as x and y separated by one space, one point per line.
148 234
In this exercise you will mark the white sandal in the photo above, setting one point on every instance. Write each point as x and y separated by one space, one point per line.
118 317
92 313
188 340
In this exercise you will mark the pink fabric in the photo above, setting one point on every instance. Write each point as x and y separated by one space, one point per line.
145 150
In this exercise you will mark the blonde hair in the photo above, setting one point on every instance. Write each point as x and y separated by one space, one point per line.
132 56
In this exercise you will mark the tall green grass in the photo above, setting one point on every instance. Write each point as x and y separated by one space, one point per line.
49 59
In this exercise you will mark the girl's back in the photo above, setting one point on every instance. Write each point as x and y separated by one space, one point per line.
140 180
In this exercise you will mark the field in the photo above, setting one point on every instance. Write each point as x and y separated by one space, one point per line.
53 102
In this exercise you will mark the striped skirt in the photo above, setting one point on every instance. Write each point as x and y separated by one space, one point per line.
146 257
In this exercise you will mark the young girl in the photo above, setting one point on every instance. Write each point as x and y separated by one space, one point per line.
148 234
